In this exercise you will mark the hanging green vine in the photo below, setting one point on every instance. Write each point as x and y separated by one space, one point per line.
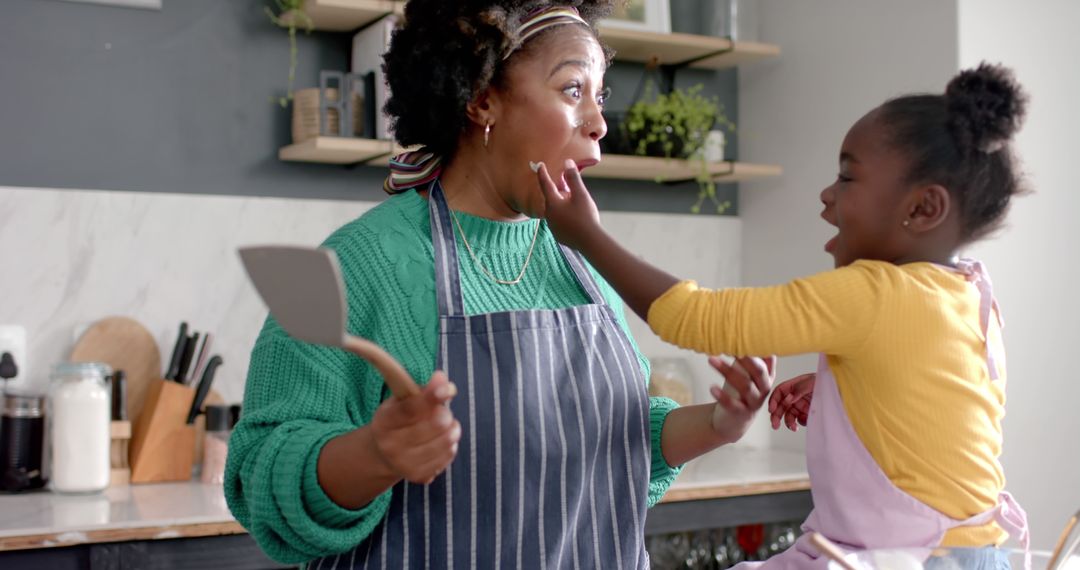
291 16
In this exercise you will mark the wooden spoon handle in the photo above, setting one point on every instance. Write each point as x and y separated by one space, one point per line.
833 552
395 376
1055 558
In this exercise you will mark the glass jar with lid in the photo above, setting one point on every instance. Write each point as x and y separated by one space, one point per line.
79 411
671 378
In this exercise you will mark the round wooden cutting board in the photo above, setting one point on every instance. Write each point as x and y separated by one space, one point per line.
126 345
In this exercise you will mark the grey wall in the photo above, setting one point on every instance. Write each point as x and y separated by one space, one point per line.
1033 281
180 100
841 59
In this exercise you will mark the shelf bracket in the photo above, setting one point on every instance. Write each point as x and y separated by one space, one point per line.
668 70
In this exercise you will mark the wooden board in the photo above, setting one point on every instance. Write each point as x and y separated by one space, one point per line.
628 167
344 15
701 492
126 345
704 52
335 150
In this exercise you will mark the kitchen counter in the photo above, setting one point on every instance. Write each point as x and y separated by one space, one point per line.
136 512
192 510
735 471
734 486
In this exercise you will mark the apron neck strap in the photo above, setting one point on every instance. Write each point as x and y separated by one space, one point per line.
447 277
976 274
585 279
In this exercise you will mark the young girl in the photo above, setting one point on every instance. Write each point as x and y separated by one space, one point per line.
905 420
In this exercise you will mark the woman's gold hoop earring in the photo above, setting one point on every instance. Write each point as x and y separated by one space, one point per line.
487 134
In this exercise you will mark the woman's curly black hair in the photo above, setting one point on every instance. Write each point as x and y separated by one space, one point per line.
447 52
961 140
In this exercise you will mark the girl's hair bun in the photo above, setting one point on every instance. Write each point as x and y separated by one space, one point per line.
986 107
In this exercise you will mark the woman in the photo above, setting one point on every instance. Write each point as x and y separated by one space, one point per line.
547 449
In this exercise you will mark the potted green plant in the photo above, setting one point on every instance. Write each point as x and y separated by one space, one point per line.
291 16
675 125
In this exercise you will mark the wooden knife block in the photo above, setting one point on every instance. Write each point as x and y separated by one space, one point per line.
162 445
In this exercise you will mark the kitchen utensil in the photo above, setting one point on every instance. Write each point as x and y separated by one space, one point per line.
833 552
204 387
1061 551
118 387
126 345
201 356
177 353
185 360
303 288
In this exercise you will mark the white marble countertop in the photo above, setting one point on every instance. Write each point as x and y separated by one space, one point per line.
735 471
135 512
174 510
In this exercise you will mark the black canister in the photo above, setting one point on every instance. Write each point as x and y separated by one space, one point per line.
22 443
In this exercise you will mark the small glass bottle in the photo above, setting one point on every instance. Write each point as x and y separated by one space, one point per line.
219 426
79 411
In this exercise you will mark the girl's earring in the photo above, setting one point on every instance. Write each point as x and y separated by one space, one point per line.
487 134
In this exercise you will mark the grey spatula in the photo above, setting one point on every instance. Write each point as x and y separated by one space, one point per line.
303 289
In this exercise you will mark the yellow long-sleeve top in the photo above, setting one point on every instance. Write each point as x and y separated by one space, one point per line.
910 360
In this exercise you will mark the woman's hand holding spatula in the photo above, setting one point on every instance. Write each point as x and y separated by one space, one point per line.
417 437
413 438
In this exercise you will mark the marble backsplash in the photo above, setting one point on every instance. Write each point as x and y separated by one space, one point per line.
70 257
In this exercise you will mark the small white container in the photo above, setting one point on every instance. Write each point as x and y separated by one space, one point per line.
713 149
79 404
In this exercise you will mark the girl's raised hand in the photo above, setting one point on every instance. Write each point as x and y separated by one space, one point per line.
790 401
570 211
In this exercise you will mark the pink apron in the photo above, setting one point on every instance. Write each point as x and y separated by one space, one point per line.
855 504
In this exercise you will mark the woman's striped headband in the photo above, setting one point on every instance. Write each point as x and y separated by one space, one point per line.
417 168
542 19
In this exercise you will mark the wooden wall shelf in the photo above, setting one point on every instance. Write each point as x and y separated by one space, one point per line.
342 150
628 167
345 15
336 150
702 52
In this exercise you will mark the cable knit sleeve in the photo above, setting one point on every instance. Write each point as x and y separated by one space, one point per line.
295 401
298 397
661 475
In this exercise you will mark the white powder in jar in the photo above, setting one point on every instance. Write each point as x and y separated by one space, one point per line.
79 435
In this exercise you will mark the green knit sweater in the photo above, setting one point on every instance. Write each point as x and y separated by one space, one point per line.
299 396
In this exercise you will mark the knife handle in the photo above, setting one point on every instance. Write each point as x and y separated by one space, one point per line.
185 360
204 388
177 353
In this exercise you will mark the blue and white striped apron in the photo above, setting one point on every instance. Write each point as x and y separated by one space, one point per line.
553 466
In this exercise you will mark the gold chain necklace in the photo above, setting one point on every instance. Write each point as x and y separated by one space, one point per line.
483 269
